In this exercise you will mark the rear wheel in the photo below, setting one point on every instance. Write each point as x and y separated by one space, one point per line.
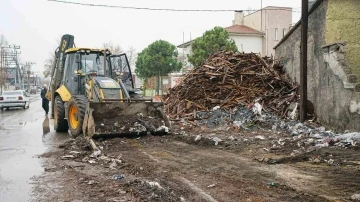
76 113
60 123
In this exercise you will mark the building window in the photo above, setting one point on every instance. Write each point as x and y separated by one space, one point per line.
284 32
276 34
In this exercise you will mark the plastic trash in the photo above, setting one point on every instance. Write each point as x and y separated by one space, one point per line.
118 177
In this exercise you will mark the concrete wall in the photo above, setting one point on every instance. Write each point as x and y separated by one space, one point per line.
253 20
335 106
248 43
272 18
343 24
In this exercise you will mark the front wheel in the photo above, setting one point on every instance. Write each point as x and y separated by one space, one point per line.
60 123
76 113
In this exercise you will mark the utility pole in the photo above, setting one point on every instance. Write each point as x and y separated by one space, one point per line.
28 71
303 61
1 70
261 15
8 58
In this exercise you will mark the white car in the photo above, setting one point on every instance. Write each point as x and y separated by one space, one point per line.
16 98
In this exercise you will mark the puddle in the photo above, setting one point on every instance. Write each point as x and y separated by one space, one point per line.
20 144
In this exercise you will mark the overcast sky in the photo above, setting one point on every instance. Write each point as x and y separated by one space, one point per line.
36 24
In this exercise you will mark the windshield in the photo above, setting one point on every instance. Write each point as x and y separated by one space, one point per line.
94 62
120 66
12 93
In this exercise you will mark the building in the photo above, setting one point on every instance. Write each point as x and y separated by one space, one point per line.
246 39
333 61
257 32
275 22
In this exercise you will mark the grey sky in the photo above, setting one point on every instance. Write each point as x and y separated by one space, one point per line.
36 24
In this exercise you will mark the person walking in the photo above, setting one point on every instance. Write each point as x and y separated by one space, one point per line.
45 101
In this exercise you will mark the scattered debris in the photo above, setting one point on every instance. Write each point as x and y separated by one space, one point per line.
155 184
67 157
231 138
216 140
95 154
211 186
118 177
91 182
355 197
272 184
50 169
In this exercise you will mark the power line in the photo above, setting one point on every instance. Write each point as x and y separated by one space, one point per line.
162 9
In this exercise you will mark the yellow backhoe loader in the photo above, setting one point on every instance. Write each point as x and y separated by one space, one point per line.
85 98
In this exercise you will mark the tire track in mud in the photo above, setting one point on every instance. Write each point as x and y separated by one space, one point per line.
195 173
206 166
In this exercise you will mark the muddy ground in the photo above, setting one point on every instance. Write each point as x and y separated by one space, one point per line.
199 164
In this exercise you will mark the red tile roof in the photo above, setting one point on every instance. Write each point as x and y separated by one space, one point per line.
241 29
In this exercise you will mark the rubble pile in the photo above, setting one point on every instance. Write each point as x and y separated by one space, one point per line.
227 80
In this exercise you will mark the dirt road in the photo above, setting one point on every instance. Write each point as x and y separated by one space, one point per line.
177 168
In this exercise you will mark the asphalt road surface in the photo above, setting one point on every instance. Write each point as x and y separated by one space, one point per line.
24 134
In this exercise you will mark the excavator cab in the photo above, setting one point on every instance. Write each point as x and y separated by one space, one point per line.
122 73
90 95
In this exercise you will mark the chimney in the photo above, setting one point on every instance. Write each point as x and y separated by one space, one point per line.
238 18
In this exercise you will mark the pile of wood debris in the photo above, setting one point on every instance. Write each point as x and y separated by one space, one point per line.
228 80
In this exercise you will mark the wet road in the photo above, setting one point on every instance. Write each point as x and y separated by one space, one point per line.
24 134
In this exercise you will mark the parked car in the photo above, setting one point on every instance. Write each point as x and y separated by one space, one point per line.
16 98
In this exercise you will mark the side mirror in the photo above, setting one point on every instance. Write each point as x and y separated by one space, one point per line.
77 58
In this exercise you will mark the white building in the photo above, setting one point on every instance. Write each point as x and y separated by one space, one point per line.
246 39
257 32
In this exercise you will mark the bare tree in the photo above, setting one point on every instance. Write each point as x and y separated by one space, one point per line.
114 49
3 42
130 53
48 65
132 56
50 60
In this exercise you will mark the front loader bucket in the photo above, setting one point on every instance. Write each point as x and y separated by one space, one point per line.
117 119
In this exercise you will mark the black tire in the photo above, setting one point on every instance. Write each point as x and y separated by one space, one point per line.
24 106
2 109
60 123
79 103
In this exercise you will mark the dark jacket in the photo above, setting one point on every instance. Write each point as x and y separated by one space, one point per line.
43 93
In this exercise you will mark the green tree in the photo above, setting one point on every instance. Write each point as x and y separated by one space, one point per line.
158 59
211 41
